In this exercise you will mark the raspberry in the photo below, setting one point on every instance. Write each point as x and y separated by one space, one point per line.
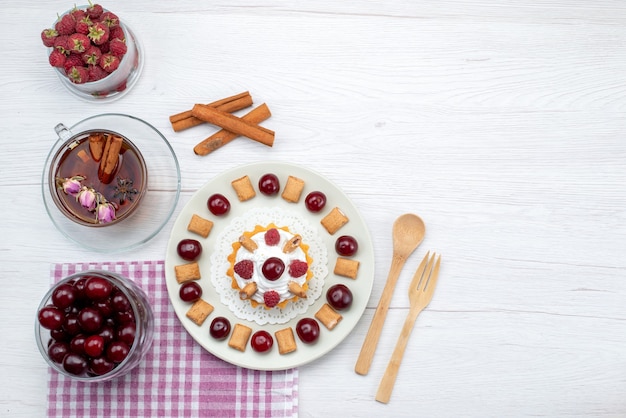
272 237
83 25
61 44
73 60
48 36
245 269
57 59
298 268
78 75
110 19
96 73
117 47
66 25
94 11
78 14
98 33
117 33
271 298
78 43
109 62
92 55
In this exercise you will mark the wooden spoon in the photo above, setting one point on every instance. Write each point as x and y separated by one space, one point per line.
408 234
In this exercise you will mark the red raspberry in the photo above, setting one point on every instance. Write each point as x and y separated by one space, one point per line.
48 36
74 60
92 55
272 237
244 269
298 268
98 33
79 43
78 14
121 87
66 25
57 59
83 25
109 62
61 44
117 47
94 11
271 298
78 75
96 73
110 19
117 33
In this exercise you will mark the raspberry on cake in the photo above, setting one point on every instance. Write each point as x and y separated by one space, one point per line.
265 273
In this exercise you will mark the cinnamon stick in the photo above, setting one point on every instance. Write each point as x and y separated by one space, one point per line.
110 158
233 124
185 120
223 136
96 145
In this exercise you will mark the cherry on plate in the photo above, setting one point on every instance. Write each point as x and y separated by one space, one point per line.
269 184
220 328
308 330
315 201
261 341
346 245
339 296
189 249
190 292
218 204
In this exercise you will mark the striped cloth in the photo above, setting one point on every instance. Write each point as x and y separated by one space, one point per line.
177 378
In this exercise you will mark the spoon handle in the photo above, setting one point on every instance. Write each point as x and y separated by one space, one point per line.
368 349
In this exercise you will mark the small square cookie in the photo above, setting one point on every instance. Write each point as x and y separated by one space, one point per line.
187 272
199 225
328 316
244 189
286 341
346 267
199 311
293 189
240 336
334 220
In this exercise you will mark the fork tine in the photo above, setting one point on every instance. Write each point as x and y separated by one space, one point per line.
432 280
417 277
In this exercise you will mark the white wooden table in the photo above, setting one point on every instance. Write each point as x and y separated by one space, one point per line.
501 125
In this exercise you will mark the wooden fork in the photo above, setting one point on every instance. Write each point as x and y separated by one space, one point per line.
420 294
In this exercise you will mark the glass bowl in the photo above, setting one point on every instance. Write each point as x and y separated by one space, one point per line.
158 202
119 82
93 335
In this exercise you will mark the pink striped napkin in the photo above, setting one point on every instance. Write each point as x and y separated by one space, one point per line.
178 378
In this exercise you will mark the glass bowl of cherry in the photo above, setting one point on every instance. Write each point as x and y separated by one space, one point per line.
94 326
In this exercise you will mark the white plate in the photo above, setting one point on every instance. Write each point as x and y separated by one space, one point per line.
361 287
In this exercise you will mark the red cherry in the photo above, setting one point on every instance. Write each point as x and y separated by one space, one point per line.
261 341
346 246
97 288
117 351
269 184
51 317
220 328
58 350
189 249
75 364
308 330
94 346
100 365
190 292
339 297
64 296
315 201
218 204
273 268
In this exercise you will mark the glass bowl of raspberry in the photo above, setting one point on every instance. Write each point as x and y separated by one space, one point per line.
94 53
94 326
